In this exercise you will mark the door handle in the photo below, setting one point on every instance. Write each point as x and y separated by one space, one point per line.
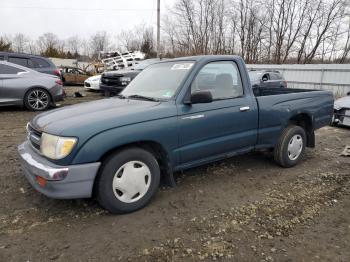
244 108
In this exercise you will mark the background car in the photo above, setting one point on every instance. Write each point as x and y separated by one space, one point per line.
93 82
22 86
73 75
342 111
267 79
113 82
37 63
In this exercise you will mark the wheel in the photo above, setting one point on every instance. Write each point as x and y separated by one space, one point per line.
37 99
291 146
128 180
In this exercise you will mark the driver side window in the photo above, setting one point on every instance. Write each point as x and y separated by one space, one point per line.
222 79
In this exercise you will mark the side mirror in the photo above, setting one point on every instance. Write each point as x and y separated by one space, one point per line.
201 97
348 94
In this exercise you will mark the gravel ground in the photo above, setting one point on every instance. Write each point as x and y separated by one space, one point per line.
244 209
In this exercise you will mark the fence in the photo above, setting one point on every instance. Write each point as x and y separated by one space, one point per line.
333 77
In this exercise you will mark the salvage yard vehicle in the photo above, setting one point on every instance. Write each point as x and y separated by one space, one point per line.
174 115
266 78
73 75
34 62
113 82
22 86
93 82
342 111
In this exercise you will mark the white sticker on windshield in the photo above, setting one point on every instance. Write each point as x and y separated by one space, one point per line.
184 66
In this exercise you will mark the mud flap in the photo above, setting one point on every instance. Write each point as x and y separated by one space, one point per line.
168 178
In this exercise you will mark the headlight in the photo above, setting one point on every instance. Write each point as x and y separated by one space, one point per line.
125 79
56 147
337 107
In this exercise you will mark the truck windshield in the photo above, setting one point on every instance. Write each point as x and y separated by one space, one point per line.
159 81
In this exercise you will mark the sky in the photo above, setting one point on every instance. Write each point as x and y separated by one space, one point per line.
68 18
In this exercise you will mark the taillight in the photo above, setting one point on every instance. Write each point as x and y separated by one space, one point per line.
57 72
59 82
285 84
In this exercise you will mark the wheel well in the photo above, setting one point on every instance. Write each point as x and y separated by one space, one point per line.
305 121
156 150
37 87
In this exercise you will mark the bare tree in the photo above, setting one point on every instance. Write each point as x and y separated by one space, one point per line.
100 41
261 31
73 45
20 43
47 42
328 15
346 48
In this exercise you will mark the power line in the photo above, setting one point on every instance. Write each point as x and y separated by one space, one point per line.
78 9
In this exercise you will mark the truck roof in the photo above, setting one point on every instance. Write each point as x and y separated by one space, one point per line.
205 57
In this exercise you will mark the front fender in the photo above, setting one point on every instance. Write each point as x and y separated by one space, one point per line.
162 131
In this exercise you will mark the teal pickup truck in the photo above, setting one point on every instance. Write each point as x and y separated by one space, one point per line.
174 115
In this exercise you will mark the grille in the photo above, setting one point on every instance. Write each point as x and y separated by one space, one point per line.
110 81
34 137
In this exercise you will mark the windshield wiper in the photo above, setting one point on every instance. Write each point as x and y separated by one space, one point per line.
143 97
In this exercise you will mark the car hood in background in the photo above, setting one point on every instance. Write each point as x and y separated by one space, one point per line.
343 102
88 119
94 78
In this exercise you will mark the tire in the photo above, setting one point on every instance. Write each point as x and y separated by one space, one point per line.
37 99
127 181
290 148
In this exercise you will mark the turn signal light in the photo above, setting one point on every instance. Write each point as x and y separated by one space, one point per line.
41 181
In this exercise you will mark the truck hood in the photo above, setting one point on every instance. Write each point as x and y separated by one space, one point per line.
120 73
87 119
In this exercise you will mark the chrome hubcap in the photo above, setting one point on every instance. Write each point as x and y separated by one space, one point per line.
132 181
38 99
295 147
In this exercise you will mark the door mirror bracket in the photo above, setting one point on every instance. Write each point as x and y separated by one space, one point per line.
200 97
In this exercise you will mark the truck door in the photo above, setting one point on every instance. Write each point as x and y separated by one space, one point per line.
222 127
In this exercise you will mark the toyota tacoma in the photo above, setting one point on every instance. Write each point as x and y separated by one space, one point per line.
174 115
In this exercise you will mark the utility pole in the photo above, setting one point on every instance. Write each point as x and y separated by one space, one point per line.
158 28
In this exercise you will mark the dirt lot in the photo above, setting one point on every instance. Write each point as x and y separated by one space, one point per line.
242 209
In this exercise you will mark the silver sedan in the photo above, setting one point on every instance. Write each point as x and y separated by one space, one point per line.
25 87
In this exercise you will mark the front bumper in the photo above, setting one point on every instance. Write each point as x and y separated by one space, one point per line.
95 85
62 182
112 89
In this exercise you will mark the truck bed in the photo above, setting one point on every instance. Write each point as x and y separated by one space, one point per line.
265 91
278 105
